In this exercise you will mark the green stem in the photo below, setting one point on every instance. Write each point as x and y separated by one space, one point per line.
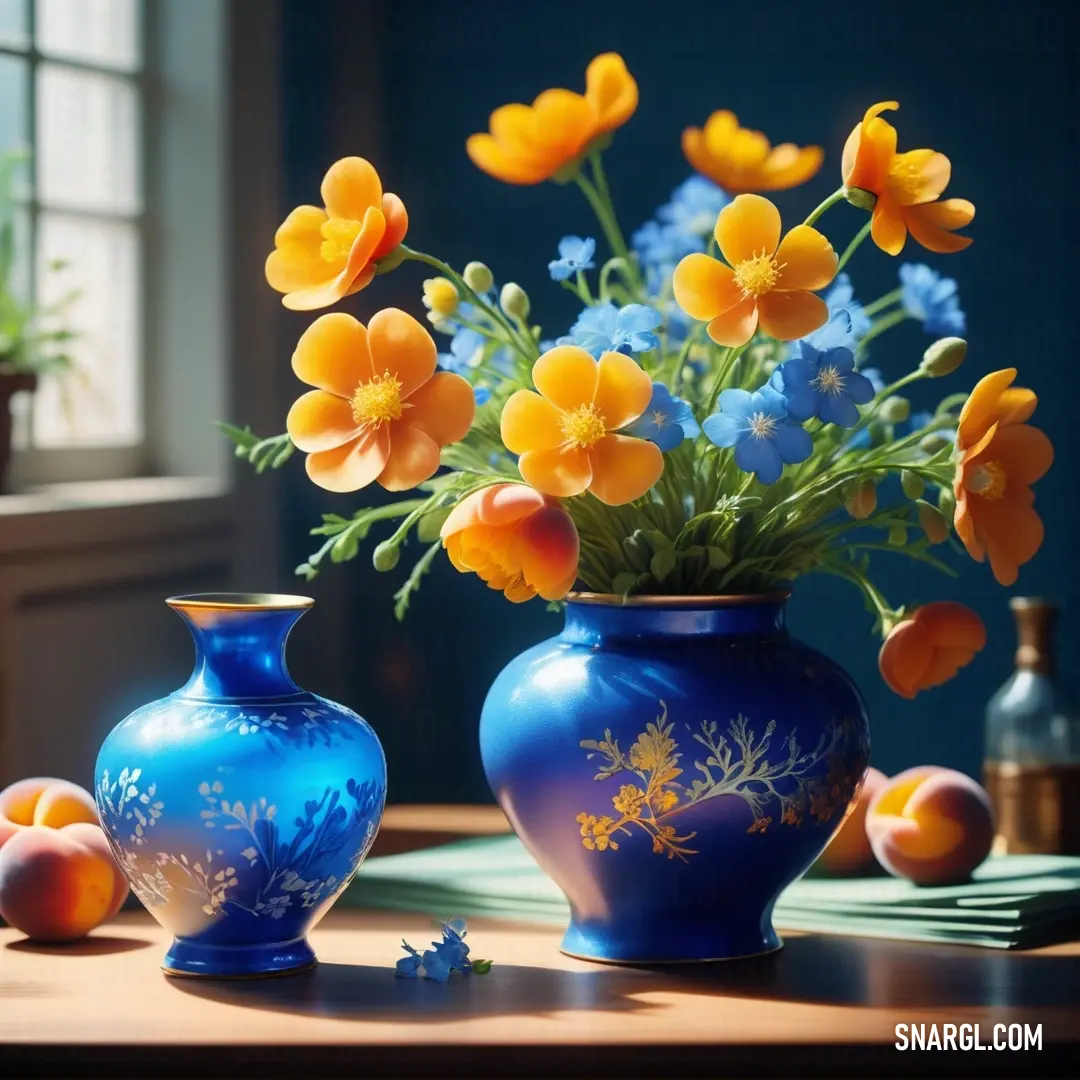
832 200
523 345
850 250
599 198
733 355
883 302
886 322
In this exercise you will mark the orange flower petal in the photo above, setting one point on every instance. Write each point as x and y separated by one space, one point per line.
623 390
1016 405
611 91
964 522
546 548
1025 453
790 315
805 260
443 407
735 326
351 187
905 655
295 262
413 457
950 623
351 466
497 505
788 166
562 471
704 287
944 665
565 120
918 176
980 411
530 422
397 225
932 223
567 376
624 468
887 227
748 226
1012 533
869 150
321 421
403 348
498 161
332 355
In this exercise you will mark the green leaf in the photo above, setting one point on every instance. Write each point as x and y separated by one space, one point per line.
662 563
404 595
243 437
623 583
481 967
718 558
346 547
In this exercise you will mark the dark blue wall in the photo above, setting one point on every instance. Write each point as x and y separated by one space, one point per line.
991 83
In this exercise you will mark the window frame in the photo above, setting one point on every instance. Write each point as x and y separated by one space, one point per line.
34 465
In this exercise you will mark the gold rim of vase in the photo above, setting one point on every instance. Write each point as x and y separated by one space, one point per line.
696 602
240 601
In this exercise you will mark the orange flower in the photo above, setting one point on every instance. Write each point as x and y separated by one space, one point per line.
516 540
1000 457
768 279
739 159
930 646
567 434
379 411
528 144
320 255
907 187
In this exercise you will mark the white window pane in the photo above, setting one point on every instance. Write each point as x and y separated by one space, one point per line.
104 32
13 23
14 104
87 141
102 404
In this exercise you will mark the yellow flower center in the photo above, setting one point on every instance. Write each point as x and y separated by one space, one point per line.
756 275
440 295
338 236
584 427
762 426
377 401
829 381
987 480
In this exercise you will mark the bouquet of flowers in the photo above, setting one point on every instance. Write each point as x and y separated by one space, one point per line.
707 426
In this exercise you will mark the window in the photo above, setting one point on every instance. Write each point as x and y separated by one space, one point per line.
72 95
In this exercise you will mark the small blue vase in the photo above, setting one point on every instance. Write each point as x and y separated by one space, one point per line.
240 806
673 764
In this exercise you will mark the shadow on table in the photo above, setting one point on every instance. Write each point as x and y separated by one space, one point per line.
812 969
94 945
360 992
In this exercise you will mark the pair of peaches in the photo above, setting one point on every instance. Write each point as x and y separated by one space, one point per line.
58 879
931 825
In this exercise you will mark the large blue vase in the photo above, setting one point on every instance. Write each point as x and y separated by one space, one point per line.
673 764
240 806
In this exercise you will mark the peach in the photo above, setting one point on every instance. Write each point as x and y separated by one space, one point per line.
92 837
932 825
46 801
849 850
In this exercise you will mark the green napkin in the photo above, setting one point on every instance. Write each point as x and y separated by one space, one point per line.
1013 901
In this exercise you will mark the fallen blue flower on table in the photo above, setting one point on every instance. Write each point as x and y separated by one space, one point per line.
443 958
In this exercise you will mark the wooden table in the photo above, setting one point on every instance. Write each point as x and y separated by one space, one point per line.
823 1006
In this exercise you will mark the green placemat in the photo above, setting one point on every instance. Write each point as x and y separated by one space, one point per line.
1013 901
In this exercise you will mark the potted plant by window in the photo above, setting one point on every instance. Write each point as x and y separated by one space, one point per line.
33 337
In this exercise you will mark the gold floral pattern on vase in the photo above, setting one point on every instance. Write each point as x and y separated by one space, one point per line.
736 762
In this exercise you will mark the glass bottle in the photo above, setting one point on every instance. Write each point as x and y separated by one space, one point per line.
1032 761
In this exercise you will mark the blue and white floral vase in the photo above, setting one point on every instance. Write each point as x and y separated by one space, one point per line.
240 806
673 763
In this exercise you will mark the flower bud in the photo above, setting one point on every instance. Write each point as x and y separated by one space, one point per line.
933 443
912 483
478 277
944 356
860 197
386 556
946 502
442 326
934 523
897 536
861 499
440 298
514 301
895 409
